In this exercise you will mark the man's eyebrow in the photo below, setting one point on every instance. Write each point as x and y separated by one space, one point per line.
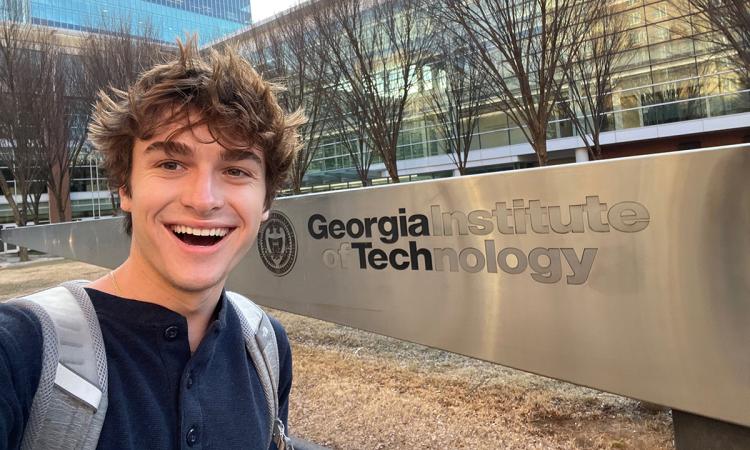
232 155
171 148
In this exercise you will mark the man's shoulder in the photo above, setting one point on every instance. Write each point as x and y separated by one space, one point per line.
284 351
278 328
25 321
281 337
19 327
21 345
282 341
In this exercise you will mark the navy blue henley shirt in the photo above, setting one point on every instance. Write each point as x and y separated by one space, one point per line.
160 396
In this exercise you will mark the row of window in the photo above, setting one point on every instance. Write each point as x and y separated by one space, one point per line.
167 19
421 139
90 207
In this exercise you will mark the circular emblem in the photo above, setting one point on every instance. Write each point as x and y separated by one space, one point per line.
277 244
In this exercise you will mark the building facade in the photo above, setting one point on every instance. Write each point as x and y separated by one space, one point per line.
165 20
675 90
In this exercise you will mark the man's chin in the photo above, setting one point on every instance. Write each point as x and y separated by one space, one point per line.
198 285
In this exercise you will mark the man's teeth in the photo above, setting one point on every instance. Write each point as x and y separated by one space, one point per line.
182 229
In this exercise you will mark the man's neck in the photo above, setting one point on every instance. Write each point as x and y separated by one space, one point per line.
131 281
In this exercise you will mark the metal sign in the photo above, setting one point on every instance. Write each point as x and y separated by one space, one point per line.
631 276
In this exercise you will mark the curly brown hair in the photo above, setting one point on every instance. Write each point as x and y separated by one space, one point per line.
221 89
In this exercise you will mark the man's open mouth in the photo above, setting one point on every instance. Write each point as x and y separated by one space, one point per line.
199 236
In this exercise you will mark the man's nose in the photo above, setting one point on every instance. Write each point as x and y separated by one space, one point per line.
203 193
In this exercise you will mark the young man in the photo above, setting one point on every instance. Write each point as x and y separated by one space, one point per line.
198 149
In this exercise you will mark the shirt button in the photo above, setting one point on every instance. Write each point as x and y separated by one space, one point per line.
192 436
170 333
189 382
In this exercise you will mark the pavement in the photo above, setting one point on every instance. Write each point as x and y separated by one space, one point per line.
11 260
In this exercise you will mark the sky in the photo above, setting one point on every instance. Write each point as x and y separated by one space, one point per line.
262 9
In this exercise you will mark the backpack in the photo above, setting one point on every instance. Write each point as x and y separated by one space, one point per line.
69 406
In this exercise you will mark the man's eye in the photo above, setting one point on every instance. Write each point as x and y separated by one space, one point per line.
170 165
237 173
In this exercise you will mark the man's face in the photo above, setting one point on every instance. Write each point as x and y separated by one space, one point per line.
196 207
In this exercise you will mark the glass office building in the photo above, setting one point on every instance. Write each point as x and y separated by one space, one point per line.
168 19
674 90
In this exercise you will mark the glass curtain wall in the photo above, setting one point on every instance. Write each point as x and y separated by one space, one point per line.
89 193
166 19
669 74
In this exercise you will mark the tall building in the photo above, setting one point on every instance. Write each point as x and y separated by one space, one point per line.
168 19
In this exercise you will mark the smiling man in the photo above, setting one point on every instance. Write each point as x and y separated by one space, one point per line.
195 205
197 148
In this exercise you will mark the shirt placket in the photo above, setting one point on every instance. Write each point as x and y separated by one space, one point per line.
183 369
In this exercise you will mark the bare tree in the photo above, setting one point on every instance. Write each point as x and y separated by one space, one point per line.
115 59
103 61
23 71
728 26
68 109
284 52
24 65
590 77
352 134
455 95
524 46
375 50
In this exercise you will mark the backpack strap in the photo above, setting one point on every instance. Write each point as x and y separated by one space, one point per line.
260 342
69 406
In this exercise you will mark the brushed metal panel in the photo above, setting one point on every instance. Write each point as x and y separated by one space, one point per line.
650 296
101 242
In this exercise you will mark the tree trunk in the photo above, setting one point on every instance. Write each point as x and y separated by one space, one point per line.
37 218
597 148
60 209
540 147
23 254
393 172
542 159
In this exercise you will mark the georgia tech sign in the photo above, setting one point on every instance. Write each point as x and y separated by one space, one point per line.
359 236
628 275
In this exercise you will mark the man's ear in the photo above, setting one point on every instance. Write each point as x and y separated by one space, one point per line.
265 215
124 199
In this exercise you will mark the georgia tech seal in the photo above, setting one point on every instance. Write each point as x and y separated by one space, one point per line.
277 244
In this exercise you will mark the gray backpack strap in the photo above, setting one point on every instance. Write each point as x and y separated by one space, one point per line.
71 401
260 341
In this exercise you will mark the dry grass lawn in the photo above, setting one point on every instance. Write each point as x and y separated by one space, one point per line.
357 390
